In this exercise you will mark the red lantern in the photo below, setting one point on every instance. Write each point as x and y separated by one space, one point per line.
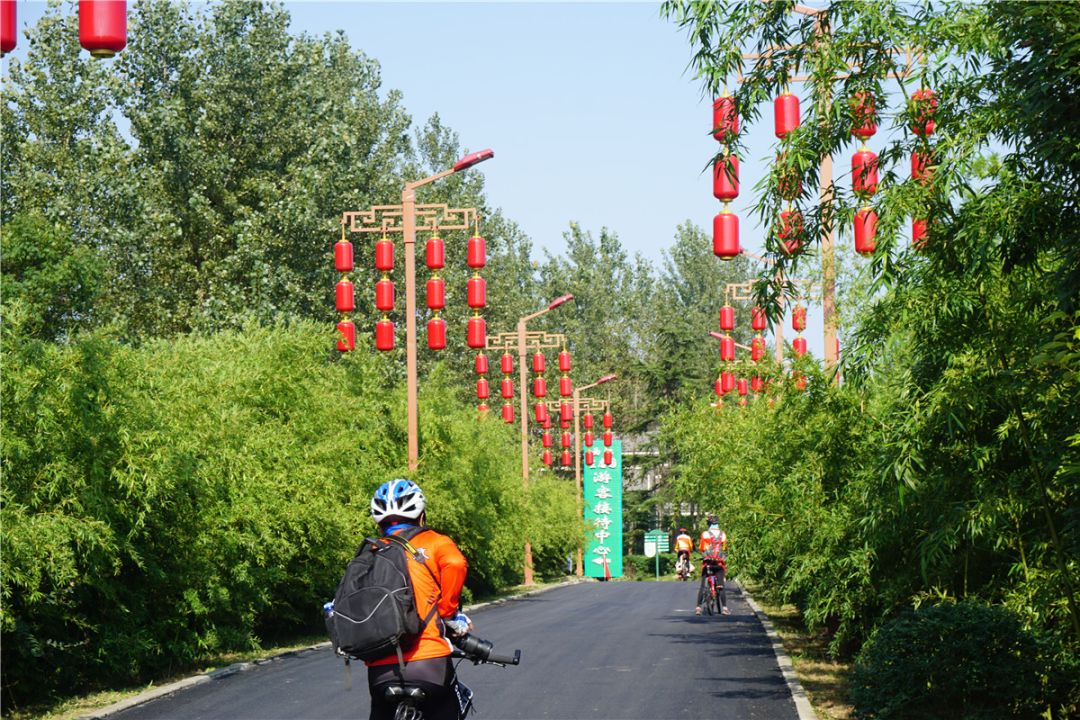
9 34
508 413
609 457
864 174
344 296
588 438
482 389
863 117
546 424
545 438
384 335
483 408
567 458
608 420
347 340
786 109
608 437
719 387
539 387
384 295
566 387
758 320
566 413
540 412
476 333
798 345
727 318
923 108
564 361
587 419
476 292
103 26
865 231
727 381
436 293
757 384
920 167
757 348
343 257
547 458
725 244
791 231
564 424
726 178
507 388
589 458
506 363
538 362
435 253
918 234
725 119
476 252
800 381
436 334
565 439
798 318
384 255
727 349
743 387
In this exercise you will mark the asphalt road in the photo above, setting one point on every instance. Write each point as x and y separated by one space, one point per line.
594 650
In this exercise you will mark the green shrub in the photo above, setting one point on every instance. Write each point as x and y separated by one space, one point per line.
641 567
964 661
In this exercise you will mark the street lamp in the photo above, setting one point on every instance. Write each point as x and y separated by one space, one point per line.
580 568
403 218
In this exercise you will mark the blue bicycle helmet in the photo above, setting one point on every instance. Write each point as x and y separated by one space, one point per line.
397 498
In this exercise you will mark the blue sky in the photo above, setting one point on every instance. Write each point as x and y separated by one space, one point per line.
590 107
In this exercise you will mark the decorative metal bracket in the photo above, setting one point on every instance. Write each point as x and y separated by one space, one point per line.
534 340
388 219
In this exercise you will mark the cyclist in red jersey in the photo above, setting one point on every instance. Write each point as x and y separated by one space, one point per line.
713 548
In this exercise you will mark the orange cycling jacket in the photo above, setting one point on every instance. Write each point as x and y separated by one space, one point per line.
449 567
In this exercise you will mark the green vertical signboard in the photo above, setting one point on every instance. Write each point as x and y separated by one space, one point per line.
603 513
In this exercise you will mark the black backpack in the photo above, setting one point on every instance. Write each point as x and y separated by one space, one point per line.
375 611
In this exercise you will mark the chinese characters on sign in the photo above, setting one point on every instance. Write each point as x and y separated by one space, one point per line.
603 515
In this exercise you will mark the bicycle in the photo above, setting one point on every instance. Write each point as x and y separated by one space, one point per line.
683 568
407 699
712 598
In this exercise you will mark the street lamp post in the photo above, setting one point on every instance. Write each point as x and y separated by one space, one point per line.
525 340
403 219
580 567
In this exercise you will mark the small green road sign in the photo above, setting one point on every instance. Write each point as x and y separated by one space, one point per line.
656 542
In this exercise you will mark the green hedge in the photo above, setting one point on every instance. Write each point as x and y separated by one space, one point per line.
965 661
192 496
640 566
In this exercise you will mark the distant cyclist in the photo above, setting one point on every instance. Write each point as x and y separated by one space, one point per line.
713 548
684 544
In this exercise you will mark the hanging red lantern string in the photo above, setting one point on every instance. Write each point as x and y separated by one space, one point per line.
567 458
727 318
923 108
589 438
798 346
757 384
436 302
587 420
540 411
758 319
791 231
482 389
719 388
481 365
609 420
727 381
757 348
589 457
798 318
566 387
786 114
344 292
727 349
863 115
725 118
566 414
506 365
547 458
539 386
919 232
9 33
609 457
565 439
103 26
545 439
608 437
799 379
384 334
726 178
865 231
726 234
922 173
864 172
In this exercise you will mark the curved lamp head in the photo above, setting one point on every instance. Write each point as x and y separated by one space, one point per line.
559 301
473 158
717 335
606 378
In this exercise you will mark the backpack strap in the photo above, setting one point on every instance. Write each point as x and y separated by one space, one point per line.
413 553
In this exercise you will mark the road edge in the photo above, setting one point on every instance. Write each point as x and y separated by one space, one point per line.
153 694
787 669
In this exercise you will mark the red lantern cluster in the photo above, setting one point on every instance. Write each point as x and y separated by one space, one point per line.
546 439
566 386
608 437
506 365
725 178
482 388
103 26
790 229
344 294
539 387
435 257
864 171
924 105
384 294
476 292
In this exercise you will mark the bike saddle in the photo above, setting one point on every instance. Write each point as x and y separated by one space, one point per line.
397 693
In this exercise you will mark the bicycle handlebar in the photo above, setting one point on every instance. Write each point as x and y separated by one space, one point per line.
478 651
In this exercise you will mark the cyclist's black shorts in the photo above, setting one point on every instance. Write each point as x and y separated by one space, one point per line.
709 567
434 676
